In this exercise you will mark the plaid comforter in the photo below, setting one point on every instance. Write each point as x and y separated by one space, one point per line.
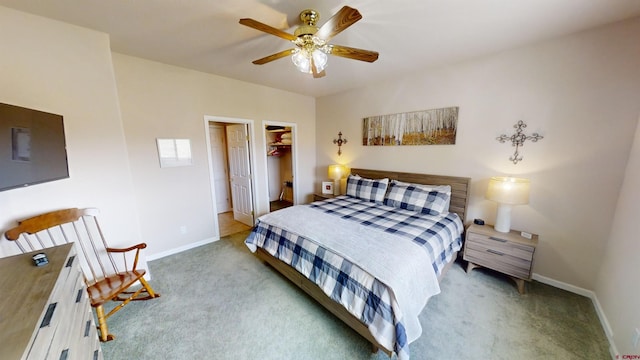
440 236
348 283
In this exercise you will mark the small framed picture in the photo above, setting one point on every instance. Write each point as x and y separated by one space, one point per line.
327 187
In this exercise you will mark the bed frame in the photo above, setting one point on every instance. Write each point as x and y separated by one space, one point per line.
459 202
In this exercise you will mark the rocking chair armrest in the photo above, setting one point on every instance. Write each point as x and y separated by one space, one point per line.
134 247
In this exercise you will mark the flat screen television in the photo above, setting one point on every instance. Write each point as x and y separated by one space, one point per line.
32 147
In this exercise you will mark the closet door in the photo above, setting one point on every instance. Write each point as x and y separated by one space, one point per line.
240 173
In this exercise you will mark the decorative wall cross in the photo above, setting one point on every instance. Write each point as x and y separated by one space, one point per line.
517 140
340 141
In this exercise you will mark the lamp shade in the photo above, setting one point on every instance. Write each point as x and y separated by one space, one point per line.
336 171
319 59
301 61
508 190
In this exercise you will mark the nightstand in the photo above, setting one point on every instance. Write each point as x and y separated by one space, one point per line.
319 196
509 253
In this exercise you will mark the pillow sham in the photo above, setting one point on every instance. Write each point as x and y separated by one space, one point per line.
367 189
446 189
413 198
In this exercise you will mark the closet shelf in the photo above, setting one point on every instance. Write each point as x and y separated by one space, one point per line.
280 145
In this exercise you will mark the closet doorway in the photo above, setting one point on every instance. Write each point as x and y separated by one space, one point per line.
230 173
279 139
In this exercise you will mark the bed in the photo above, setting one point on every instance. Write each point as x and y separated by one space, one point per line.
355 253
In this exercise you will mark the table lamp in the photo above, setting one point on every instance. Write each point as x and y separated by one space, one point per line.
336 172
507 191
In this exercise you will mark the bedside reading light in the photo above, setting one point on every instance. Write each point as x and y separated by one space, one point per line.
507 191
336 172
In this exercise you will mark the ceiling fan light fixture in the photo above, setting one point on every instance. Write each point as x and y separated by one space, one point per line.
301 58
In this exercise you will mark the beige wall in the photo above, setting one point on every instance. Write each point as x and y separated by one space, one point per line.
162 101
580 92
63 69
617 285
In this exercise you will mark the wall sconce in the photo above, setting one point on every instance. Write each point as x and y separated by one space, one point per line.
507 191
337 172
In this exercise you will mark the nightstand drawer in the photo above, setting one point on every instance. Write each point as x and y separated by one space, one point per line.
509 253
496 260
503 246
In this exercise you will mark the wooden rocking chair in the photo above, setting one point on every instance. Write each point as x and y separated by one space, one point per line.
102 276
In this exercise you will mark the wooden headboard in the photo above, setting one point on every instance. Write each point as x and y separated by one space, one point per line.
459 185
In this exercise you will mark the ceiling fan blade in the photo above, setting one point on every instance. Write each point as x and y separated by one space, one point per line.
272 57
314 70
319 75
344 18
266 28
353 53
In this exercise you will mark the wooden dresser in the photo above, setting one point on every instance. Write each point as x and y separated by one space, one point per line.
45 311
509 253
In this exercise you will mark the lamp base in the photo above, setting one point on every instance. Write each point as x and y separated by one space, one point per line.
503 218
336 187
343 186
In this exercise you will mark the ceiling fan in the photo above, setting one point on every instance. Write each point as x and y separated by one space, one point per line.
312 47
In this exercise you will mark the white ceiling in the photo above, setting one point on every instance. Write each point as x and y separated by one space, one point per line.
409 34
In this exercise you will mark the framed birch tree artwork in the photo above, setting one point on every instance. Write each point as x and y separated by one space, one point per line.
428 127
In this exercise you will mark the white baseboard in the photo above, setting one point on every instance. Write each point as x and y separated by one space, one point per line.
564 286
613 350
182 248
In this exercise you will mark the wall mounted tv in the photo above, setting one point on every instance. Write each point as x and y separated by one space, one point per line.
32 147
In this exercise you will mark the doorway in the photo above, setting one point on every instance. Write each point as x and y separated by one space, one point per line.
279 140
230 164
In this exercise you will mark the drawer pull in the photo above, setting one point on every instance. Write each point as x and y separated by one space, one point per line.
87 328
79 296
70 261
48 315
495 252
497 239
64 354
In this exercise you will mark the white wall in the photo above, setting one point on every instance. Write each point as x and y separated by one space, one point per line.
617 285
580 92
162 101
67 70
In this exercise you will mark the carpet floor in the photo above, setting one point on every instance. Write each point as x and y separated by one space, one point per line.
220 302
